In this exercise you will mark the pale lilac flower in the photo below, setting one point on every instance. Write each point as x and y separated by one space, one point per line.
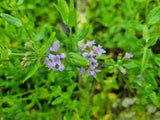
93 73
83 48
140 78
56 59
24 58
88 55
55 46
55 67
93 63
48 63
26 54
51 56
128 55
61 67
63 55
123 71
90 43
99 50
82 71
26 44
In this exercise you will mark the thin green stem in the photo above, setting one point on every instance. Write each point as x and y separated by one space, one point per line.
17 54
145 47
143 59
70 37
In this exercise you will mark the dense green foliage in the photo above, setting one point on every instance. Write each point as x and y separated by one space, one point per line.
125 88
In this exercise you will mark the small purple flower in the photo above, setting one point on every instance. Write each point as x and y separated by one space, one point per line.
93 63
61 67
88 55
82 71
140 78
123 71
26 54
99 50
63 55
90 43
24 58
83 48
128 55
56 59
48 63
93 73
55 46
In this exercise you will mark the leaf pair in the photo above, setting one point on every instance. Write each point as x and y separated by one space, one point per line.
68 14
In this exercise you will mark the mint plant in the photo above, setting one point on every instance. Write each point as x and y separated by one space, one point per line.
56 64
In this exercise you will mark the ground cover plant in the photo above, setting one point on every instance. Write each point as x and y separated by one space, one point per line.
79 59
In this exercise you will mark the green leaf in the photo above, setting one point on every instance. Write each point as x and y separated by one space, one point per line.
130 65
71 88
149 77
30 105
41 34
56 90
59 36
158 72
5 55
11 19
20 2
152 41
104 57
82 33
157 60
77 60
145 33
58 100
63 9
154 16
48 44
155 99
34 68
43 93
72 20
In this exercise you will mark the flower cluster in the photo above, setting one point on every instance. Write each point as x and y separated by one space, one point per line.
26 60
53 60
94 51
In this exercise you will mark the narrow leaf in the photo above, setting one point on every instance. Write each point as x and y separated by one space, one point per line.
48 44
72 20
59 36
77 60
20 2
152 41
58 100
33 70
63 9
41 34
11 19
150 78
82 33
145 33
154 16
